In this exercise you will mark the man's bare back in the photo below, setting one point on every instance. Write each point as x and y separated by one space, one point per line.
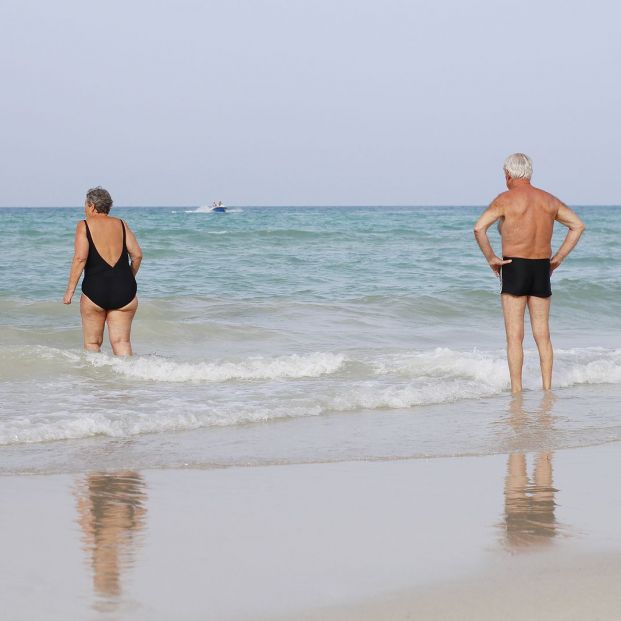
526 218
527 222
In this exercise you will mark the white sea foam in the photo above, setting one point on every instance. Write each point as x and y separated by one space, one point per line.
280 388
592 365
487 367
375 397
587 366
64 424
201 209
159 369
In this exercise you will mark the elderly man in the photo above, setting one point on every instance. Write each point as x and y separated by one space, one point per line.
526 218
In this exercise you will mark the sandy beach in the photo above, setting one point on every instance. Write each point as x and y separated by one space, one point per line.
519 536
309 311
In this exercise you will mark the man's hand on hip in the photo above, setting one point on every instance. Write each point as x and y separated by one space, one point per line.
496 263
555 261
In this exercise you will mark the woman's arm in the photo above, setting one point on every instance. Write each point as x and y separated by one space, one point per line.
133 248
80 255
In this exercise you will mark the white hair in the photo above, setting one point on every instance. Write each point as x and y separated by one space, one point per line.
518 166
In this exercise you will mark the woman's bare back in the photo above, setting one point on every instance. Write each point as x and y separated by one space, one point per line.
107 235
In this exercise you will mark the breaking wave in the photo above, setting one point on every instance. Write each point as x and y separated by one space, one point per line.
77 395
159 369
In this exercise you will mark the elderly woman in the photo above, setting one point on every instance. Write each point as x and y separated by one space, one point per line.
107 251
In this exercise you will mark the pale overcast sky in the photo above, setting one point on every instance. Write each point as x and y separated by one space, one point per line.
307 102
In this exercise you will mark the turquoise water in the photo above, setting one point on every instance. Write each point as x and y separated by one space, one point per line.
269 314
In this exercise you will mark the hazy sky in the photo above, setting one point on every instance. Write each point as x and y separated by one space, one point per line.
301 102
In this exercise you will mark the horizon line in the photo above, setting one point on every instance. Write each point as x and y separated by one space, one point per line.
301 205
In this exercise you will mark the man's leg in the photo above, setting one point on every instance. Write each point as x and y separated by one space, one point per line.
539 309
513 308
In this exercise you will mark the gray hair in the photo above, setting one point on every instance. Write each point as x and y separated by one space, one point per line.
100 199
518 166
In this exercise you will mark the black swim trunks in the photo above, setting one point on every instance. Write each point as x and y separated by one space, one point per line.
526 277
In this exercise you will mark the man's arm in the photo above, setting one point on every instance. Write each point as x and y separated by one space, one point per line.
493 213
576 227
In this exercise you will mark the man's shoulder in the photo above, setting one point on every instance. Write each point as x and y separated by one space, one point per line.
504 198
548 199
540 192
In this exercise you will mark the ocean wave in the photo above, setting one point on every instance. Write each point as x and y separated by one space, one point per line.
362 381
590 365
160 369
487 367
444 376
26 360
63 425
587 366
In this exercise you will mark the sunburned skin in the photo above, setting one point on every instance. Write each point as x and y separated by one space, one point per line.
527 222
526 217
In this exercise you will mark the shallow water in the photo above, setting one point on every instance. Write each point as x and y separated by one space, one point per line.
334 319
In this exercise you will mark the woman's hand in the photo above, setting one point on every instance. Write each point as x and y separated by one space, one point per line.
68 296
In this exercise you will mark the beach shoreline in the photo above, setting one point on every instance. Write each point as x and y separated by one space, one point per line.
353 540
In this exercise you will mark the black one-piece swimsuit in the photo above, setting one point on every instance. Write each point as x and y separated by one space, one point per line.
108 286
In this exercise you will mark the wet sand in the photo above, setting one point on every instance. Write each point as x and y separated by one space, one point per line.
518 536
551 587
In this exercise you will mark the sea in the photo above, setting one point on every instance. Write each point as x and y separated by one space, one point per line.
270 335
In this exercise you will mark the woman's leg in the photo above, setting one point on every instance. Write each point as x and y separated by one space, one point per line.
93 322
120 326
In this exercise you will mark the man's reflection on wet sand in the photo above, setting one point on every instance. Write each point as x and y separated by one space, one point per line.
111 511
529 502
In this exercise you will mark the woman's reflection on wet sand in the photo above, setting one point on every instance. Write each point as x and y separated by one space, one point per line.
111 511
529 502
